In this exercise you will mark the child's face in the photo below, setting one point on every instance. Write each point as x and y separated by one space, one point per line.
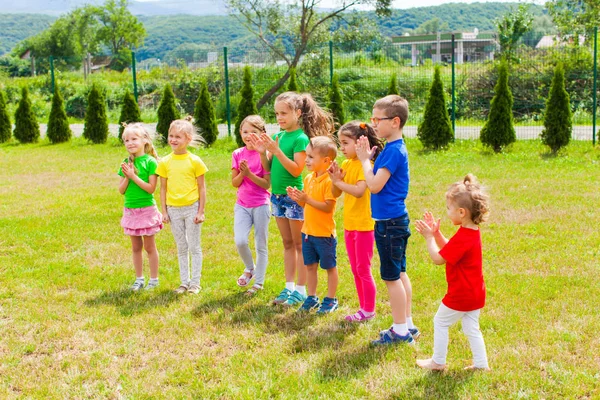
286 117
247 130
384 125
178 141
347 146
455 213
315 162
134 144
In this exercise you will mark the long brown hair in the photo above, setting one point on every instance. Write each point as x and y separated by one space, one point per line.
314 121
356 129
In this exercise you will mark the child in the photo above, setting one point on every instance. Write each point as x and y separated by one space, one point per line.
141 219
183 197
358 224
318 231
299 118
467 206
252 206
388 181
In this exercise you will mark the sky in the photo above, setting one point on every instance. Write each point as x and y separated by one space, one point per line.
410 4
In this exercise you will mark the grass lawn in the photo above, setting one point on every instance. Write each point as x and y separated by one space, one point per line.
70 328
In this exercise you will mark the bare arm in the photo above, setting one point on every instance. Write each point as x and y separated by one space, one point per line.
163 199
433 249
302 198
129 172
264 182
123 183
375 182
357 190
236 178
201 199
295 166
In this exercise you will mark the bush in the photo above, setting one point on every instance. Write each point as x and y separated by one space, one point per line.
293 85
58 124
27 129
167 113
498 131
96 123
247 105
204 115
558 120
435 132
336 102
5 125
130 112
393 88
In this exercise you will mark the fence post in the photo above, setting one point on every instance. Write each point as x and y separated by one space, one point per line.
595 94
135 91
453 91
52 72
330 62
227 92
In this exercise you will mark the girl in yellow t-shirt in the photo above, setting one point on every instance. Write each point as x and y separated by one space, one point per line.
358 224
183 197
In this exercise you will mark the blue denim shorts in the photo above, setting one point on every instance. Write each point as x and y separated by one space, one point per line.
285 207
320 250
391 237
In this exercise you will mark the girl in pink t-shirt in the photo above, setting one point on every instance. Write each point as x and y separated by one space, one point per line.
467 206
252 206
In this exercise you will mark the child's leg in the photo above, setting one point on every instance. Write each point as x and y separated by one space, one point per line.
289 251
397 301
296 230
150 247
352 250
443 320
137 245
364 254
332 282
192 231
408 290
242 223
470 326
178 222
312 279
261 219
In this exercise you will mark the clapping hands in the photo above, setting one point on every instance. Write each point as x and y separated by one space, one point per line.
428 226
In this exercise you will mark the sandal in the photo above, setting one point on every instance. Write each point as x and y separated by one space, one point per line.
359 316
244 279
254 289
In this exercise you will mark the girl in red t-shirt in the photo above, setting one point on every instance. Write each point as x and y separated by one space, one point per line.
467 206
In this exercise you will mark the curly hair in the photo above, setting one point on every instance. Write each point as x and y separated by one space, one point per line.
471 196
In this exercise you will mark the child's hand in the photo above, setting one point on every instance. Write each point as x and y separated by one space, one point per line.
165 218
244 169
271 145
430 220
336 173
363 150
255 141
297 195
128 169
423 228
199 218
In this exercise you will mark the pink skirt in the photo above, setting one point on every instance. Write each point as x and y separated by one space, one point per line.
145 221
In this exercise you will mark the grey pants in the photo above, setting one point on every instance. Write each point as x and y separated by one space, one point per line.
243 220
187 238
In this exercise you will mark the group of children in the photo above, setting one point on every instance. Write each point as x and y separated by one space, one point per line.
374 179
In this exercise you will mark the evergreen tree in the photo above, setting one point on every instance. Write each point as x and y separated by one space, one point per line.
393 88
95 126
246 106
558 120
58 124
167 112
435 132
130 112
5 124
204 115
27 129
336 102
293 84
499 131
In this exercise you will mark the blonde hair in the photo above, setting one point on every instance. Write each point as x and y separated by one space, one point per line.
138 129
186 126
325 146
470 195
314 121
394 106
256 121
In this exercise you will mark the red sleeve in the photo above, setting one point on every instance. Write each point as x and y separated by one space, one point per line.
456 247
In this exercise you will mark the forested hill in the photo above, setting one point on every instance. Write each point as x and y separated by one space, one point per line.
166 32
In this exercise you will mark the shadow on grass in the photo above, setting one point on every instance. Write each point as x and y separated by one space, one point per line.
318 337
129 302
351 362
434 385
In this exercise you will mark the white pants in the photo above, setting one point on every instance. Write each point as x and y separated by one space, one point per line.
187 238
444 319
243 219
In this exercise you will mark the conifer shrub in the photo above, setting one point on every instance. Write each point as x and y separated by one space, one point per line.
204 115
293 84
435 132
558 119
130 112
5 124
167 112
27 129
58 124
95 127
498 131
393 88
246 106
336 102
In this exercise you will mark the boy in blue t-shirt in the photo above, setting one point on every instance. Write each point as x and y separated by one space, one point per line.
388 181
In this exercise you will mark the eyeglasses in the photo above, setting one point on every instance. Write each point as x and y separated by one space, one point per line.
376 120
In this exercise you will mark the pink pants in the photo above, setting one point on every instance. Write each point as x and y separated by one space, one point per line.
359 246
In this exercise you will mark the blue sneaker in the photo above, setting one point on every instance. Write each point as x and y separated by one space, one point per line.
389 337
283 296
415 332
311 303
295 299
328 305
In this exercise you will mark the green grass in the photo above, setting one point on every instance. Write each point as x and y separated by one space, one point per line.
71 329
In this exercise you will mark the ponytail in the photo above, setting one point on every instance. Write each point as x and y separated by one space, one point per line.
356 129
314 121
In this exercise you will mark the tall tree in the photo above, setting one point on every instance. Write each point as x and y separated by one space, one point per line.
575 17
293 84
393 88
95 126
247 105
558 119
27 129
204 115
167 112
295 23
130 112
435 132
58 124
5 125
511 28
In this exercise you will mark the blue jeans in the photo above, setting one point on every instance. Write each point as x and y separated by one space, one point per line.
320 250
284 207
391 238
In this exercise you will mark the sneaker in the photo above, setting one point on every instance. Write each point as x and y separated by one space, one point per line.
194 289
283 296
151 285
137 285
294 299
415 332
311 303
389 336
181 289
328 305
